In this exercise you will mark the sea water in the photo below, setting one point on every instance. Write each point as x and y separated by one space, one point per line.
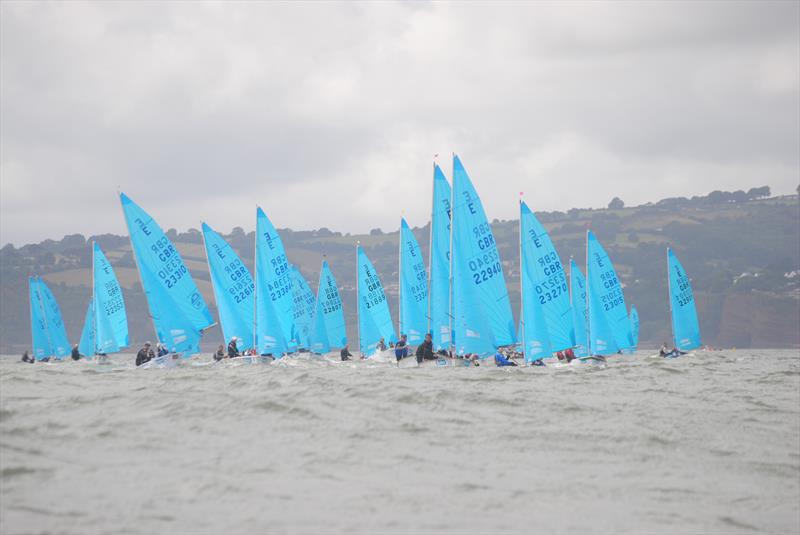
703 443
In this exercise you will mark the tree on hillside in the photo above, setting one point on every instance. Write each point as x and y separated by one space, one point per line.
376 232
758 193
616 204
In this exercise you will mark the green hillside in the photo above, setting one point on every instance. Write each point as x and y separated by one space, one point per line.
742 252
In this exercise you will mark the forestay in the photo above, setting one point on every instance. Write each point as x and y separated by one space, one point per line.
176 306
482 318
545 277
110 317
609 326
303 299
685 327
234 289
329 325
413 287
374 318
580 314
275 331
439 295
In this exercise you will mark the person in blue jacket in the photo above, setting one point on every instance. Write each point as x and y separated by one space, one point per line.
501 360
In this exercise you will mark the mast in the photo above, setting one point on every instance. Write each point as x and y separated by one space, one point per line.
255 287
95 322
588 294
669 300
430 254
450 297
400 279
521 285
211 278
358 303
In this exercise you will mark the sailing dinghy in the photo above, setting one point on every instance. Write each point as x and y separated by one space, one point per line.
49 336
685 327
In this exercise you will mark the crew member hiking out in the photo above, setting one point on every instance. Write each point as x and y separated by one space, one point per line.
76 354
401 348
220 354
345 352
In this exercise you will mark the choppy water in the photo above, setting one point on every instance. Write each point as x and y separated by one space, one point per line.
709 443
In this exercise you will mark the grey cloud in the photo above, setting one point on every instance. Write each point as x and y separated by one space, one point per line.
330 114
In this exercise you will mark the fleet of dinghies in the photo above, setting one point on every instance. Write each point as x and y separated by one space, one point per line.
459 296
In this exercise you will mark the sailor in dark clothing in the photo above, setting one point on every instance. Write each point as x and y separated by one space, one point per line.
220 354
144 355
381 346
27 358
233 350
401 348
345 352
162 350
425 349
76 354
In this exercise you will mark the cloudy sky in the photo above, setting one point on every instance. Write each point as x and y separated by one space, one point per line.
330 114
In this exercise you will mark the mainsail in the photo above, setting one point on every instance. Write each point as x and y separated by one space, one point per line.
413 287
304 300
374 318
634 317
685 328
580 317
56 332
108 307
86 344
609 326
176 306
276 333
329 323
481 310
42 347
439 294
233 289
544 277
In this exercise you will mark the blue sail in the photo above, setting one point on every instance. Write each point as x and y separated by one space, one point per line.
374 318
86 343
304 301
42 348
413 287
634 317
234 289
176 306
110 318
685 328
329 324
275 330
609 326
548 281
482 318
439 294
580 317
59 342
533 328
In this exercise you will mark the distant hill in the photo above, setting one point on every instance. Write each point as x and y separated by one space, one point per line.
741 250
